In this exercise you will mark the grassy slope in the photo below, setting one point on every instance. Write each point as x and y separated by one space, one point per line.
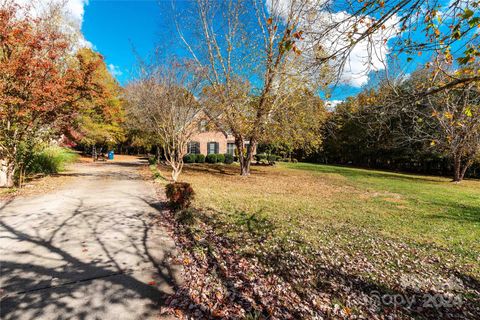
307 222
421 208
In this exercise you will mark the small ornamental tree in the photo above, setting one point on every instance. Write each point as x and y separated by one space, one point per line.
162 103
180 195
42 84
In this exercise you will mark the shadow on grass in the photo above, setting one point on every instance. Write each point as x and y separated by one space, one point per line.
306 271
358 173
457 212
215 169
219 169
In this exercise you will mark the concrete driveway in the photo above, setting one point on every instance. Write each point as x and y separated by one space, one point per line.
88 251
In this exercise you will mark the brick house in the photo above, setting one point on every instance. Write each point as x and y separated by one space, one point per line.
207 140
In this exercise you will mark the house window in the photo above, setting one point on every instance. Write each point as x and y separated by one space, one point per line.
193 147
231 148
247 144
202 127
212 147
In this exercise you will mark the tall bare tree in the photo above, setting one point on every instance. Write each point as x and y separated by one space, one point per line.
251 58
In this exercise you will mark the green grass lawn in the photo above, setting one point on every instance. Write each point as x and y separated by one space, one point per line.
420 208
376 226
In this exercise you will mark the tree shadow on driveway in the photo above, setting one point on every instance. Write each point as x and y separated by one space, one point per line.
113 266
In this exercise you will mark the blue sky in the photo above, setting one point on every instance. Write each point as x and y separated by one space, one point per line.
120 30
123 28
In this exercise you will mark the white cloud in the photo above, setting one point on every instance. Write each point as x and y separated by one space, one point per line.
283 8
369 54
331 104
71 15
72 10
114 70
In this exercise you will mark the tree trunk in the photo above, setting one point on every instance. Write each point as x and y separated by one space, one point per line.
244 159
245 166
7 173
3 173
175 174
462 172
241 156
457 172
468 163
177 166
158 154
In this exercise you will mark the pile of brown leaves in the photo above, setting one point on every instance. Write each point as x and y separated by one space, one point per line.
220 283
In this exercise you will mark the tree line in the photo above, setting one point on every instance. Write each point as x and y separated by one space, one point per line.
397 127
